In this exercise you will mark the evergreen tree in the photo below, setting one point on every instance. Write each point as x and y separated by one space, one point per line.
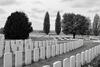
96 25
46 27
58 24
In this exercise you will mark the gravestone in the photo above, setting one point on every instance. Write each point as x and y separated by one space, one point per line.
36 45
78 62
66 62
95 50
65 50
82 58
28 56
61 48
19 44
68 47
40 44
57 64
42 52
92 55
48 52
28 44
36 55
18 59
44 44
13 45
7 46
47 43
72 61
57 49
86 56
1 53
7 61
1 49
89 54
53 53
46 66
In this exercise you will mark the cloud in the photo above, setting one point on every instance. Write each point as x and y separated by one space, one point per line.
86 4
2 11
38 10
7 2
66 0
94 11
38 2
36 17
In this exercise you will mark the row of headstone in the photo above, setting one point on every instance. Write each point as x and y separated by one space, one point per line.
79 59
20 45
34 55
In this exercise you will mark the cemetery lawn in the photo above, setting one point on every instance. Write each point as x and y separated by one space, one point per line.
50 61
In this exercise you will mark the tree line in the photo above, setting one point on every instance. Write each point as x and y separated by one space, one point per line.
17 25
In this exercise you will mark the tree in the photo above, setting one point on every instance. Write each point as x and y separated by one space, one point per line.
58 24
17 26
74 24
96 25
46 24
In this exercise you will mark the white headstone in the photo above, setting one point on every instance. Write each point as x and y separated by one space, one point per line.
68 47
1 53
65 50
78 62
13 45
19 44
46 66
1 49
44 44
28 56
57 49
98 49
57 64
86 56
66 62
40 44
89 54
72 61
36 45
7 46
53 53
7 60
61 48
28 44
42 52
82 58
48 53
1 45
95 51
92 55
36 54
18 59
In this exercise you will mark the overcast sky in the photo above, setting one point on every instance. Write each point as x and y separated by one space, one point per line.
35 9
